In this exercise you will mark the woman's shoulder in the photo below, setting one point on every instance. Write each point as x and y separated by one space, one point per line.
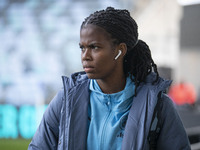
172 133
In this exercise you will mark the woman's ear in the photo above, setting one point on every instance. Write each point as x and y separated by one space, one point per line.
123 48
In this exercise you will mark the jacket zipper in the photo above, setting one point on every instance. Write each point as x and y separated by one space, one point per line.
101 146
64 113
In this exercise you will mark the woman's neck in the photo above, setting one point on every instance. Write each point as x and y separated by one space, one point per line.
114 85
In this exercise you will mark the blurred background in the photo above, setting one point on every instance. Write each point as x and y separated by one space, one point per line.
39 44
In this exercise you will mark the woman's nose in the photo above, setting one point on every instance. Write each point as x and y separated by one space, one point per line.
86 54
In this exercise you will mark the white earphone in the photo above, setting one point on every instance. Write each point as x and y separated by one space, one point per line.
120 52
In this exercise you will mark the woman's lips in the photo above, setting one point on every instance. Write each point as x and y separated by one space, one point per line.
88 69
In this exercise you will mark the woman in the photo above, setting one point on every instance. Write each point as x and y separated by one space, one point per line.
110 105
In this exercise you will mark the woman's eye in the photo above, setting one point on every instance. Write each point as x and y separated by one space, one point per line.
82 48
94 47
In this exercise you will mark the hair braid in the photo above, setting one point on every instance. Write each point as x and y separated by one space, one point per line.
139 63
123 29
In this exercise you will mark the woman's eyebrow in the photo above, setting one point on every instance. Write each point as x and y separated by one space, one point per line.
92 43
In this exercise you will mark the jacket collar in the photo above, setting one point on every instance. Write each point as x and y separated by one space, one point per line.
77 100
141 112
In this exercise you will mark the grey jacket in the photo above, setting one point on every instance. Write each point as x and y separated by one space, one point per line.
64 124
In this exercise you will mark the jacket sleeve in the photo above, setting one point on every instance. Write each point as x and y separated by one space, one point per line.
46 136
172 135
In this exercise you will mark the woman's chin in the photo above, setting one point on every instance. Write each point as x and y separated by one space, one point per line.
91 76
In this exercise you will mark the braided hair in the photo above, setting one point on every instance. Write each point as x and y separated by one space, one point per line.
137 62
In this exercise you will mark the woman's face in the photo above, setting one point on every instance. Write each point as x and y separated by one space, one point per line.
98 53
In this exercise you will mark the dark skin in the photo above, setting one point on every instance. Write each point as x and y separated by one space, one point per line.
98 58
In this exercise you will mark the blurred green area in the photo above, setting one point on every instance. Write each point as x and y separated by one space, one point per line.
14 144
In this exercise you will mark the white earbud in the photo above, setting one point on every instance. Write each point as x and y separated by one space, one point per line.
120 52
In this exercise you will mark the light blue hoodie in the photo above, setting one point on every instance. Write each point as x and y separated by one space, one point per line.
108 113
